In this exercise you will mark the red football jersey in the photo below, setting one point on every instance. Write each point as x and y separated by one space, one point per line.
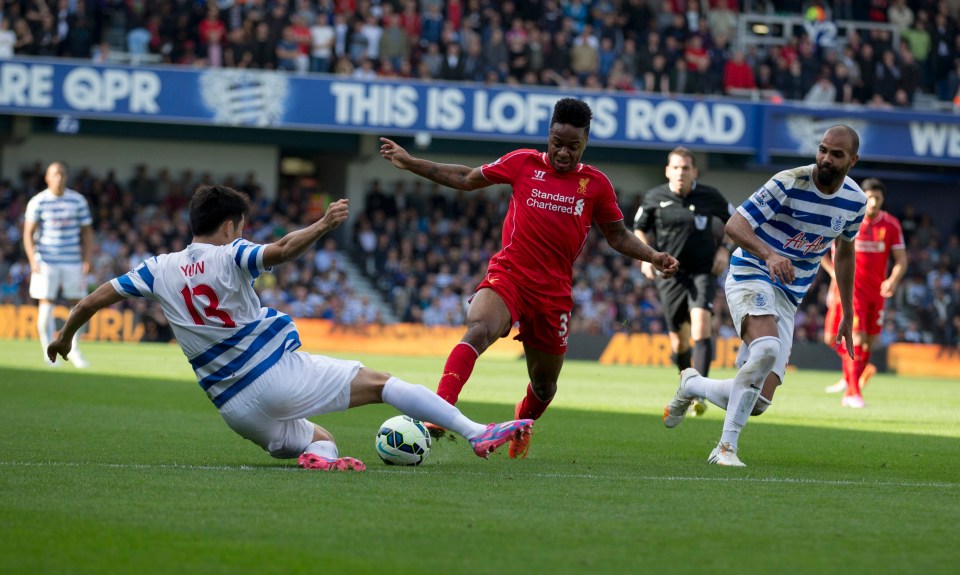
548 219
876 239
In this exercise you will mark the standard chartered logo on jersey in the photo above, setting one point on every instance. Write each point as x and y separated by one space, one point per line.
555 202
242 97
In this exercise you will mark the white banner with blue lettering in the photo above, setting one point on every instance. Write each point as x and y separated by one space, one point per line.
233 97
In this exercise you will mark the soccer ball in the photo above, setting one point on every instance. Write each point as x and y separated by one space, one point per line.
402 440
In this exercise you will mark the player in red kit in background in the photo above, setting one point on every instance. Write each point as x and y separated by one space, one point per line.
880 238
555 199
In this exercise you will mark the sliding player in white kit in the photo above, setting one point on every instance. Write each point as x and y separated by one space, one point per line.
782 231
244 354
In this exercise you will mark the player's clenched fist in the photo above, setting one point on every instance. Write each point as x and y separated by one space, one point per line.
666 264
336 214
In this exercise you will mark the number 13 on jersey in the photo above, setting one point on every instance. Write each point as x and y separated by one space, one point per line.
210 309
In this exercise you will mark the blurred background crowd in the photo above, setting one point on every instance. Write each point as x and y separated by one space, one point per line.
424 250
894 51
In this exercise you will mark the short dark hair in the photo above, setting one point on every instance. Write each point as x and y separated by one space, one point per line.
683 153
854 137
573 112
210 206
874 184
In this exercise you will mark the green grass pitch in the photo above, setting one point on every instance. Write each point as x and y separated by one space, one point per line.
127 468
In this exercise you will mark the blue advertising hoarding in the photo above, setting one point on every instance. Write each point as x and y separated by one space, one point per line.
231 97
885 135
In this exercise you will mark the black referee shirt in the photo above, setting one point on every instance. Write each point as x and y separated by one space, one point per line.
688 228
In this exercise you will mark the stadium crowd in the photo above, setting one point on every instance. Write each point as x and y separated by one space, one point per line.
659 46
425 249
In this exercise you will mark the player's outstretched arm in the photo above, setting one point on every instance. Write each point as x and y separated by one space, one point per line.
103 296
631 246
450 175
741 232
292 245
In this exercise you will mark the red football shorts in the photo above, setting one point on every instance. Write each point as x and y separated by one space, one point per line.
867 317
544 320
868 314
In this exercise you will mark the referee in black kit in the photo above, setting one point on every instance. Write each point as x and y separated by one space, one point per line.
685 219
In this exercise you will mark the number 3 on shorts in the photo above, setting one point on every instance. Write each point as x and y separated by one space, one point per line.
564 320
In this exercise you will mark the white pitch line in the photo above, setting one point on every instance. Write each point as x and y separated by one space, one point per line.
289 468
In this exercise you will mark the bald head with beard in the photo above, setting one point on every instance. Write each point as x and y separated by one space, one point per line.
836 155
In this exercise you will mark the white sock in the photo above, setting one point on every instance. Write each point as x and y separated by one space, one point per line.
747 385
420 403
323 448
45 325
75 350
716 391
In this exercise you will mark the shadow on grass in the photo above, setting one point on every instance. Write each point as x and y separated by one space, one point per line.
73 416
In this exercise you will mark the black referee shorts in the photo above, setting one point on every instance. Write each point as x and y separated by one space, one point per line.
683 292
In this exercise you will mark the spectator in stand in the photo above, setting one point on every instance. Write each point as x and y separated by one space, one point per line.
495 53
697 63
738 75
888 76
25 42
557 53
722 19
372 31
322 38
911 78
657 79
918 38
900 15
288 52
823 93
452 65
585 54
432 25
394 43
789 80
842 84
677 29
8 39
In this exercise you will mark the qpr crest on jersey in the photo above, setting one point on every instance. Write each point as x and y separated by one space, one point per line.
837 223
761 300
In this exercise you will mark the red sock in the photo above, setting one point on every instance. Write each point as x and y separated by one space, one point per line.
456 372
847 372
532 407
841 349
853 382
860 358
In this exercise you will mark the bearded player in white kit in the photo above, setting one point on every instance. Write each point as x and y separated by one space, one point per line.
244 354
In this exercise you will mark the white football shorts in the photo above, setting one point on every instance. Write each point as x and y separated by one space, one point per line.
271 411
757 297
53 277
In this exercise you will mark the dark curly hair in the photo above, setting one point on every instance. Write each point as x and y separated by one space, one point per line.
210 206
573 112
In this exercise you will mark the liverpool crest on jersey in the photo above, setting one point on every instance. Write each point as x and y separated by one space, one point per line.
584 182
